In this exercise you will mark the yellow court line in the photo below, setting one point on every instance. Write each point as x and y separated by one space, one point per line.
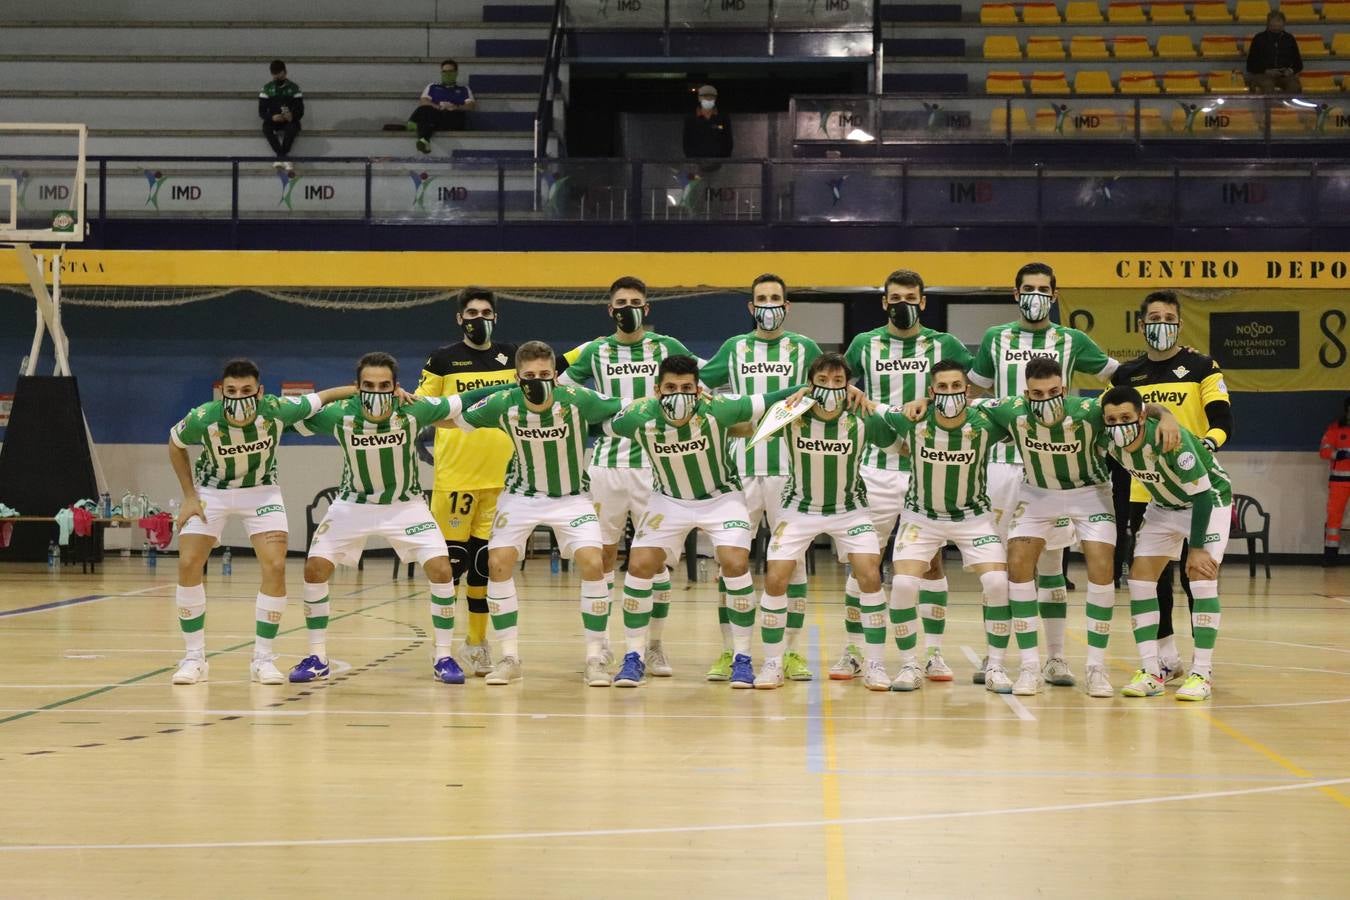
836 873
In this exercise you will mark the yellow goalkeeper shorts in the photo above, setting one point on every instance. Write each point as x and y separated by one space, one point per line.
465 514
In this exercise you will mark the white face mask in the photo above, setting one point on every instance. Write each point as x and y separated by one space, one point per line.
1035 307
1123 435
678 407
377 404
828 400
949 405
240 409
1161 335
1048 411
706 103
770 318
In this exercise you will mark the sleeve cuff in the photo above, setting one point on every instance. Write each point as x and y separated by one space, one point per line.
976 378
177 441
315 402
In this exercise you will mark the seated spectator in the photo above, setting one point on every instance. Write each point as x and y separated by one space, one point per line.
281 106
1273 60
442 107
707 133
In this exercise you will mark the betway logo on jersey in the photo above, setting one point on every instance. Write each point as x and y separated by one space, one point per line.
371 441
1150 477
820 445
1054 447
1017 355
472 384
1175 398
250 447
783 369
680 448
630 370
551 433
947 457
905 366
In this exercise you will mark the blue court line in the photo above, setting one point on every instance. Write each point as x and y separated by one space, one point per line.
55 604
815 717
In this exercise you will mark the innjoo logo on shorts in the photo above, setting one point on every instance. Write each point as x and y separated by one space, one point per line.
987 539
736 523
1212 538
582 520
1101 517
270 508
419 528
860 529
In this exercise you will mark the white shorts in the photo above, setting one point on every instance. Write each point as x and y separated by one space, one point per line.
853 532
920 538
885 498
1006 483
618 494
764 498
1086 510
668 522
408 526
260 509
1164 530
572 519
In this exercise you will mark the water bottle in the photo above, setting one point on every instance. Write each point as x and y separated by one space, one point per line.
128 501
53 553
702 570
554 562
148 551
227 563
105 505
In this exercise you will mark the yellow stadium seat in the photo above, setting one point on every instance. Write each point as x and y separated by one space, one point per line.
1089 81
1001 46
1336 10
998 14
1299 11
998 121
1175 46
1321 82
1131 47
1182 82
1082 12
1004 83
1253 10
1085 46
1040 14
1226 82
1125 12
1310 46
1045 48
1340 45
1219 46
1212 11
1170 12
1135 82
1049 83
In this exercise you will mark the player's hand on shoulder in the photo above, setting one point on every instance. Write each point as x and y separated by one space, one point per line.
1169 433
797 397
402 395
915 410
858 401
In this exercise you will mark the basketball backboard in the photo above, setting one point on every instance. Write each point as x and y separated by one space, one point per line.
42 183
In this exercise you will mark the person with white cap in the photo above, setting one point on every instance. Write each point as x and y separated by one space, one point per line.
707 132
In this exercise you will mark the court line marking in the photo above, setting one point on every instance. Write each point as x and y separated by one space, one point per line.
822 748
686 829
1287 644
75 601
1013 703
1279 759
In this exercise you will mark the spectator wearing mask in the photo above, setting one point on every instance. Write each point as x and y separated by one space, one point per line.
1273 60
281 106
1336 450
442 107
707 132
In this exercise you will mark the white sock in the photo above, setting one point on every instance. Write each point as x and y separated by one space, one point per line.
1101 598
637 608
317 607
504 608
1167 647
267 613
443 617
595 602
191 602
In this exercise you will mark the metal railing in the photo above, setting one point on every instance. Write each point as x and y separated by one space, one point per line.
543 117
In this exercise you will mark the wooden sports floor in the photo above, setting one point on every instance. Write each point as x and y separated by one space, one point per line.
383 783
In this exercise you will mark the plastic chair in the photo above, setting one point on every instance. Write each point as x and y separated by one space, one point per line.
1182 82
1172 12
1213 11
1242 505
1340 45
1089 81
1226 82
1082 12
1049 83
1253 10
1318 82
1001 46
1336 10
1045 48
1040 14
1299 11
1219 46
998 121
1130 13
1136 82
1175 46
1132 46
998 14
1084 46
325 498
1004 83
1310 46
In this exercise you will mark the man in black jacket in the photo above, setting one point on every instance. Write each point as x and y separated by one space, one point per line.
281 106
1273 60
707 133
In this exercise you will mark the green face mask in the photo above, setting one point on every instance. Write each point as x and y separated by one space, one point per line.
449 78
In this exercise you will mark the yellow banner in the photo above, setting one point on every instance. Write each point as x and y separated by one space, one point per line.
298 268
1265 340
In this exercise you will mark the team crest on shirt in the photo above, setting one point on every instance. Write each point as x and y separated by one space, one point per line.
500 358
1181 371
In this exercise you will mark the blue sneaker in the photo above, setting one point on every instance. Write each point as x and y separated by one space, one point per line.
630 675
742 672
311 668
448 670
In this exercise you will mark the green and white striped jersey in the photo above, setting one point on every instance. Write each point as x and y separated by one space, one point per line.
1172 479
690 461
894 371
238 457
950 464
550 446
1056 457
379 459
1001 362
823 460
624 372
749 365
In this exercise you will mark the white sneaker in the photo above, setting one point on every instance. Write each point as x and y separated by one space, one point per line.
597 675
263 670
1172 670
1197 687
849 665
1029 682
978 676
874 676
996 680
770 676
478 657
1056 671
936 668
657 664
506 671
909 679
191 669
1098 685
